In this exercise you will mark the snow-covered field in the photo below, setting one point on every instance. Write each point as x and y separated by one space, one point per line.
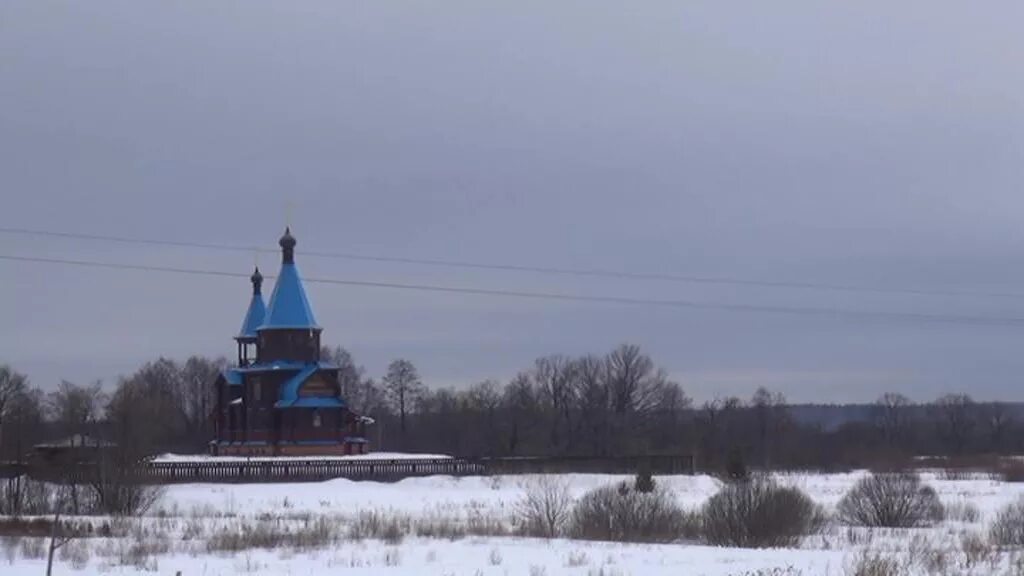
188 515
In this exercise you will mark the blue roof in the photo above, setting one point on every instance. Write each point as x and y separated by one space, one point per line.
253 317
232 376
285 365
289 395
289 307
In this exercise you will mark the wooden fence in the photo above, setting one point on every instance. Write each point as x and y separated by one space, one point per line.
383 470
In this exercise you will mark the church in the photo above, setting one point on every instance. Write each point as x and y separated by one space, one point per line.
281 399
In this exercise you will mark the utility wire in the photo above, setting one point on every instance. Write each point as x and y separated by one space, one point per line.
523 268
792 310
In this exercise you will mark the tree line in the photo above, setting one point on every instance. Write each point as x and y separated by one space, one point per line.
619 403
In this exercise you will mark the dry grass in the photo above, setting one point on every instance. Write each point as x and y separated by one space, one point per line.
376 525
1008 527
966 512
314 533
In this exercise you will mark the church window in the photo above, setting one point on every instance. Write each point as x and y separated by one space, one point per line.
317 422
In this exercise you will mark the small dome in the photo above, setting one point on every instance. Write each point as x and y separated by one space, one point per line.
257 280
287 241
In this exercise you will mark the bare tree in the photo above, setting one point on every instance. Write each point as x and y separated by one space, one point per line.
770 417
892 417
24 425
58 538
75 408
594 403
403 387
11 385
632 379
956 419
555 377
997 420
483 403
522 406
199 396
350 376
669 420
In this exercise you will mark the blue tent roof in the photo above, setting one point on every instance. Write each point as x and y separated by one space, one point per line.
253 317
289 307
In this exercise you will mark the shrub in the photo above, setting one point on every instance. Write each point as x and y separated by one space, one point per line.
644 482
896 500
622 514
118 492
736 466
1008 527
544 508
758 513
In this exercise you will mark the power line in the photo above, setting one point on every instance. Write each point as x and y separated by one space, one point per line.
792 310
600 273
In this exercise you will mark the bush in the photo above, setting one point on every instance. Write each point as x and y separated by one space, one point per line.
736 466
758 513
644 482
1008 527
892 500
544 508
623 514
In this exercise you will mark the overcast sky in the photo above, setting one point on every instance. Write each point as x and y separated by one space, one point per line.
857 143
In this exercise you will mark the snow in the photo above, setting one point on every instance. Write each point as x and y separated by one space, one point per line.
484 495
227 506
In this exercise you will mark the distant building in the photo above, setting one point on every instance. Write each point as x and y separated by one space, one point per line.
73 449
281 399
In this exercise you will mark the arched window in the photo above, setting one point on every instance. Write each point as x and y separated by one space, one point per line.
317 421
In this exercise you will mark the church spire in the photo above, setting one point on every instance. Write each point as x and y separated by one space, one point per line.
289 308
256 312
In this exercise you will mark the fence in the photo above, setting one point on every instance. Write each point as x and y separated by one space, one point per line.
385 470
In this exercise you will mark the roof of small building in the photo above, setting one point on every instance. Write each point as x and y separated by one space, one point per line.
77 441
